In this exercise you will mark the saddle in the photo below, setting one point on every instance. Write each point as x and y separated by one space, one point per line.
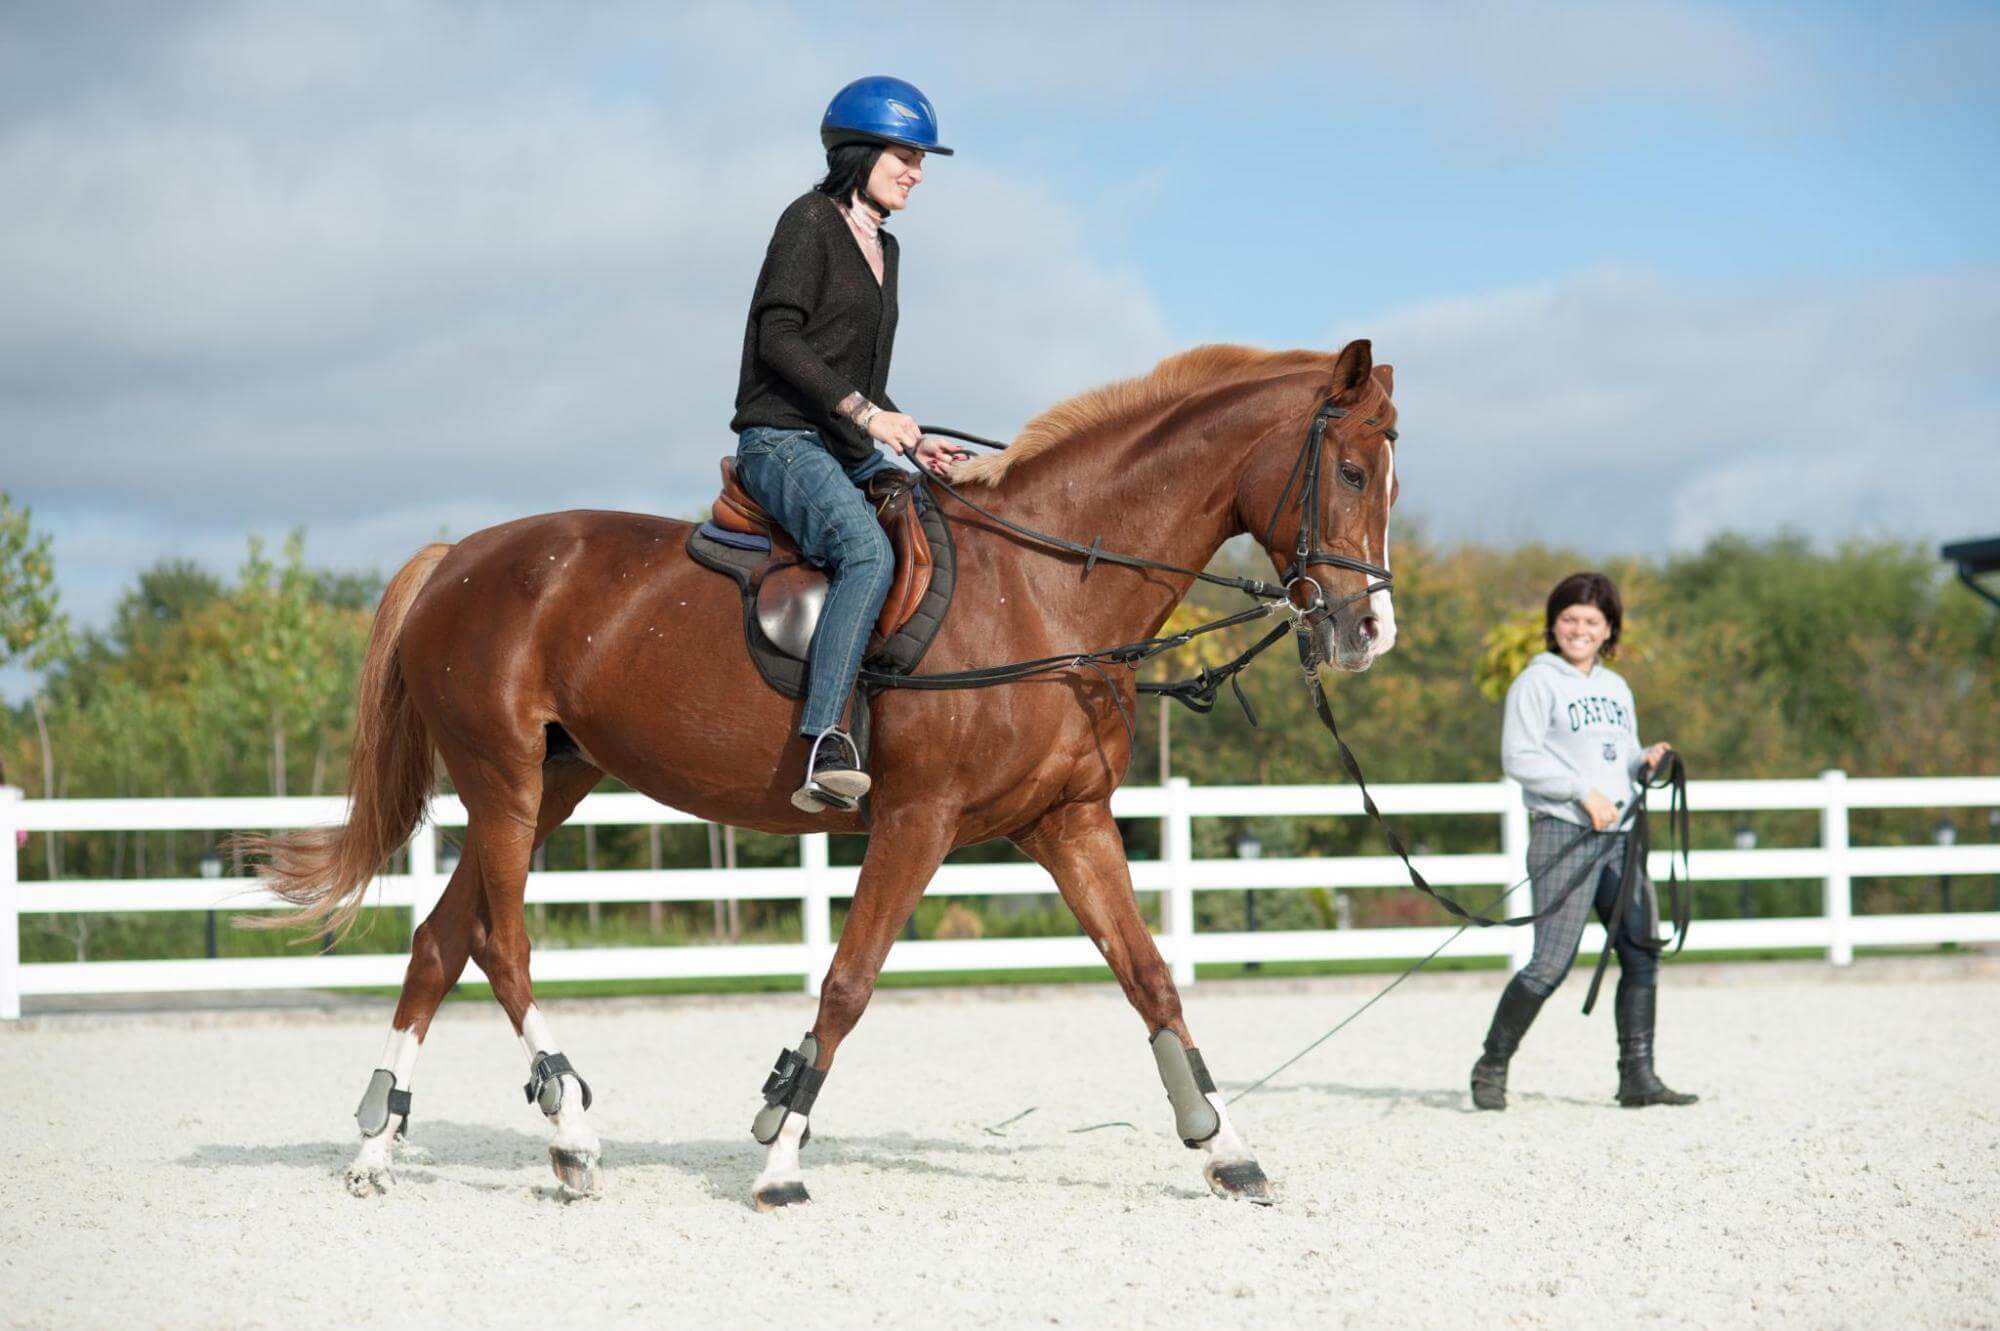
783 592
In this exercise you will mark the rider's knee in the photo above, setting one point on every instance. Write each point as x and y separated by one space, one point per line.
866 551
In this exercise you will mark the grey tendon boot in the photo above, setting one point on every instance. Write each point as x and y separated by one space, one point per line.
1638 1085
1518 1006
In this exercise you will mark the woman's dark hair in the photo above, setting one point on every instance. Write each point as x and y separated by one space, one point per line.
847 169
1586 589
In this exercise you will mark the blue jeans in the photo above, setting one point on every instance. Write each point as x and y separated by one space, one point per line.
820 505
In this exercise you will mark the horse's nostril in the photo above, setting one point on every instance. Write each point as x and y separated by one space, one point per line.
1371 627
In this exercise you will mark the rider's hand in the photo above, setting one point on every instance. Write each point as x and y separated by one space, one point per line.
1655 752
893 428
937 456
1603 813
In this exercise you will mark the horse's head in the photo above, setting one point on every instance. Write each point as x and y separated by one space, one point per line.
1338 500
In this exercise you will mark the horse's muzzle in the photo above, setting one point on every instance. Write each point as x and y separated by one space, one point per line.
1351 638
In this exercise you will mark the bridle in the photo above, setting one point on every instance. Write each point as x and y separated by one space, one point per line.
1309 552
1199 693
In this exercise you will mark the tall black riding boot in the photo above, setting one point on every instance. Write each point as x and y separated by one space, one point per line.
1638 1086
1511 1019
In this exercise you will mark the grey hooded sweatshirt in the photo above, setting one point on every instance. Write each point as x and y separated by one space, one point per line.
1567 733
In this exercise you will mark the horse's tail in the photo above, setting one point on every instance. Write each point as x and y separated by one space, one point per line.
390 776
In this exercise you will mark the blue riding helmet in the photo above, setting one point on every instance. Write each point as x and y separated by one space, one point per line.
879 109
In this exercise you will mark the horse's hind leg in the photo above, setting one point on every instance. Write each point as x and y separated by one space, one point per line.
904 851
437 956
505 832
1078 844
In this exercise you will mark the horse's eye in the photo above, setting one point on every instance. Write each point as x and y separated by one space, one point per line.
1352 476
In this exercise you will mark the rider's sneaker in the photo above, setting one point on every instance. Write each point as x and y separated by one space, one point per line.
834 779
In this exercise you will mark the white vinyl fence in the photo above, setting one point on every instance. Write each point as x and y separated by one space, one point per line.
1178 873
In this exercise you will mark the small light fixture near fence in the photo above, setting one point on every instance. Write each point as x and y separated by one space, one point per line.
1248 847
1945 833
211 864
1744 837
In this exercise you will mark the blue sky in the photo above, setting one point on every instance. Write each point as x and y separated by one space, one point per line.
1648 271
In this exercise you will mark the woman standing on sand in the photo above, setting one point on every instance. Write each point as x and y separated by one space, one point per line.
1571 739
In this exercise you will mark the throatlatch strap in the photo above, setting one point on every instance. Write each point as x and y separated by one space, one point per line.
545 1074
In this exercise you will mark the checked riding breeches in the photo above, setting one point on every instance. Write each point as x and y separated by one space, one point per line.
1561 853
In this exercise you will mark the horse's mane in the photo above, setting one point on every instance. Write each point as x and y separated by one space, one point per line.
1175 377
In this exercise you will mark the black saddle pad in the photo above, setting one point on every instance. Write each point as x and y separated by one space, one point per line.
744 558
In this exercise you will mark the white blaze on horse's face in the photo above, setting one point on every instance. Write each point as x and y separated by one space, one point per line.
1382 604
1362 630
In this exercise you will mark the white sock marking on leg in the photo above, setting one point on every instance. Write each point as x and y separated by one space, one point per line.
372 1162
781 1159
572 1126
1225 1147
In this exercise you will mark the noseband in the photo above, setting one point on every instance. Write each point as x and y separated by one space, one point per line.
1309 553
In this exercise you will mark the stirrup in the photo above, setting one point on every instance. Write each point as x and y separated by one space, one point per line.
841 794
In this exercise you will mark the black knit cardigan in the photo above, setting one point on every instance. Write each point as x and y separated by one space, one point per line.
820 328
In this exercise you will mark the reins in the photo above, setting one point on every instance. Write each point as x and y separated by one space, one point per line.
1638 846
1199 694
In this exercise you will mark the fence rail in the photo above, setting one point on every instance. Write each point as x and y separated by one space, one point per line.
1179 874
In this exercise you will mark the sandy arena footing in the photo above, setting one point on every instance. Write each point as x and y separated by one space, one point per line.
182 1169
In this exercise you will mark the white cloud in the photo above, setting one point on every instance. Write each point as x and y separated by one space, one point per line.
383 268
1620 411
462 296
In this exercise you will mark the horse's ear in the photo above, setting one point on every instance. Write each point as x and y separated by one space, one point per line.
1350 371
1386 376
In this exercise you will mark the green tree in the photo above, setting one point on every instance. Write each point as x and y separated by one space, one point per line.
33 628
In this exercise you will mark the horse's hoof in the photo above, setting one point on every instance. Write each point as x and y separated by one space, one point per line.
365 1181
1239 1181
578 1171
777 1196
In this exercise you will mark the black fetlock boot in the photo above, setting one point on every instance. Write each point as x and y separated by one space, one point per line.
1511 1019
1638 1085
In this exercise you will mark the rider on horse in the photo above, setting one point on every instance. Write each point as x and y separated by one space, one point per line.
813 401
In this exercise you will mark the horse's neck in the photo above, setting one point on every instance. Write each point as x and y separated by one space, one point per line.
1165 492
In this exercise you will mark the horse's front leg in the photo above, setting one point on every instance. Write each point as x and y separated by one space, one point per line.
1079 845
904 851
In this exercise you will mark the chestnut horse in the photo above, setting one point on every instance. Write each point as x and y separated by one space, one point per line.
534 657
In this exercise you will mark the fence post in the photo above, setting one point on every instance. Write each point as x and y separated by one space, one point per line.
1514 846
1177 845
816 905
425 884
10 914
1839 886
